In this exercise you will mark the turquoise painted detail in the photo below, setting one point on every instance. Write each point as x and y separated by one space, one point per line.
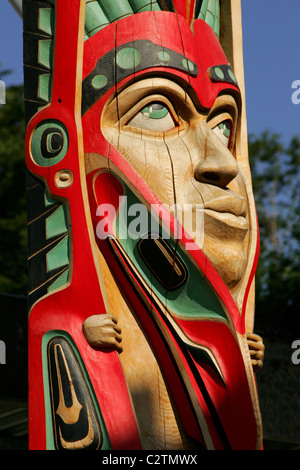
128 58
46 20
50 445
210 12
41 143
95 18
45 52
48 201
188 65
155 111
232 76
163 56
59 255
225 128
99 81
55 226
203 10
57 223
116 10
195 299
61 281
144 5
219 72
100 13
44 87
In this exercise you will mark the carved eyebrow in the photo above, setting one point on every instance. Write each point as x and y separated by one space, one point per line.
127 59
222 73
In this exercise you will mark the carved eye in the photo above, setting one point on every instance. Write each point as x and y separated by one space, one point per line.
52 141
49 143
154 117
223 131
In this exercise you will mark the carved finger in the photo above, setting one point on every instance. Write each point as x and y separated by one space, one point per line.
113 341
255 346
255 338
102 331
118 346
111 317
257 364
260 354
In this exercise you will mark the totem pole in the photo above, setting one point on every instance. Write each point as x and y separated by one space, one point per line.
143 238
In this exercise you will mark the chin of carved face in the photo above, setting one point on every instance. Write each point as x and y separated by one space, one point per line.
228 259
185 156
226 232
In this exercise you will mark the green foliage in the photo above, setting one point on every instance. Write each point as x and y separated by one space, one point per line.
276 182
13 222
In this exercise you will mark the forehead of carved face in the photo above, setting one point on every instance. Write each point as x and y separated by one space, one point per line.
165 100
156 43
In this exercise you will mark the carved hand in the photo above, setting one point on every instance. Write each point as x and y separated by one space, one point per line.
103 331
257 350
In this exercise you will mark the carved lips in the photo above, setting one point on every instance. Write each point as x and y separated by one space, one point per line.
230 210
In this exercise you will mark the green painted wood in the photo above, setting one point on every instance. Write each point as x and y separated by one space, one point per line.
99 81
218 18
195 299
144 5
46 20
128 58
203 10
155 112
210 19
48 200
210 13
95 18
61 281
57 223
59 255
45 53
212 7
117 9
44 87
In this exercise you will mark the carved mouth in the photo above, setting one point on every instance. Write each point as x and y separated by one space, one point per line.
231 203
230 210
227 218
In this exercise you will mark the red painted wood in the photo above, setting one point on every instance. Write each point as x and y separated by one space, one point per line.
231 401
67 309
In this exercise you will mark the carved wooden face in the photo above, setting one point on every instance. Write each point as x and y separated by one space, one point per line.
184 156
175 124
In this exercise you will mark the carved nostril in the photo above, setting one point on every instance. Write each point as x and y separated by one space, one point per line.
217 178
210 176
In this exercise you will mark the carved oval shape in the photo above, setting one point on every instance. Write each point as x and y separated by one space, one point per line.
49 143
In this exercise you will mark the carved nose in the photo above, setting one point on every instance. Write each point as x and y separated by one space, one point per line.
217 166
214 176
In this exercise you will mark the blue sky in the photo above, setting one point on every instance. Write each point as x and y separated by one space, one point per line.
271 55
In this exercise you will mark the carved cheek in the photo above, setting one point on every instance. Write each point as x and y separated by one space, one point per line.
164 164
